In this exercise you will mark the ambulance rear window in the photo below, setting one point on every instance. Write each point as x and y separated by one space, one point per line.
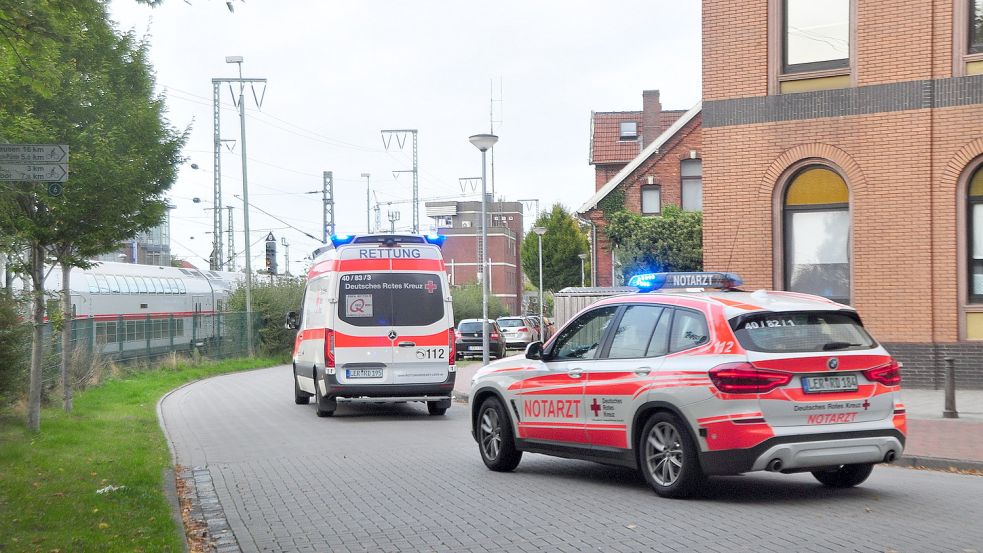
390 299
806 331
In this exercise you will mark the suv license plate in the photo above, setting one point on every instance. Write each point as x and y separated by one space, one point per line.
363 373
838 383
474 348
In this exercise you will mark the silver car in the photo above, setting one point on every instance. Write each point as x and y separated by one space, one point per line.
518 331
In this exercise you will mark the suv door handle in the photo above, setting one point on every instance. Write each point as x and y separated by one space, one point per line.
643 371
407 344
575 373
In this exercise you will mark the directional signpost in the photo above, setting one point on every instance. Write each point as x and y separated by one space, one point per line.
34 163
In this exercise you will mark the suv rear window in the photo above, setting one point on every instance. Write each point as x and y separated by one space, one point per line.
390 299
511 323
473 326
809 331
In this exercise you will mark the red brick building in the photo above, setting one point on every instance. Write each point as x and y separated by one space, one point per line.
843 146
643 160
461 223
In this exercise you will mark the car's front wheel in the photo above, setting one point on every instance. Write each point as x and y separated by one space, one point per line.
668 457
844 476
495 439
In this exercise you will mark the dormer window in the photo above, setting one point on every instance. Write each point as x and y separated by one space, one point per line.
629 130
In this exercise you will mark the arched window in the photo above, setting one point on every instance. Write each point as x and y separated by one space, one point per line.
976 236
816 211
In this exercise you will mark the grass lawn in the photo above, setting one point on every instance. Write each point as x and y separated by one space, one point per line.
48 481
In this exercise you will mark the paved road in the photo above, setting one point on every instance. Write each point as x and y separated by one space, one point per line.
391 478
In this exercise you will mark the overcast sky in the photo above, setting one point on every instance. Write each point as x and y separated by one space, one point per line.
339 72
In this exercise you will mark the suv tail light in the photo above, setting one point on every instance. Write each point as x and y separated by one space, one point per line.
451 346
457 334
329 350
745 378
494 336
888 375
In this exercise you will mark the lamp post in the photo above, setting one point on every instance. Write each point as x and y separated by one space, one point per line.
483 142
540 231
583 280
368 204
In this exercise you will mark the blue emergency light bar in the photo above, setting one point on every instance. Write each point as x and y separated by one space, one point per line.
388 239
342 239
435 239
648 282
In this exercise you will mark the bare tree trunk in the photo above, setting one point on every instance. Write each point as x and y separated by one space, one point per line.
66 334
37 352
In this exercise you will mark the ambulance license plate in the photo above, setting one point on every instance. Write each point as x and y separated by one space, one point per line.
838 383
363 373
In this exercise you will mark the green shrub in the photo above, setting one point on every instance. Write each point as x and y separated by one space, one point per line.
272 302
467 304
15 353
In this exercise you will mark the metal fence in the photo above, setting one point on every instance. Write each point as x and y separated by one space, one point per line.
130 338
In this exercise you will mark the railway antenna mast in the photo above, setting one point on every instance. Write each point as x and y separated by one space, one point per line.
491 127
400 134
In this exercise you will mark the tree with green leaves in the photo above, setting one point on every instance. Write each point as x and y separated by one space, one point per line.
467 303
89 86
563 242
672 241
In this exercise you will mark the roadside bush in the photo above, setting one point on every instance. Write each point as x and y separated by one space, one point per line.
467 304
272 301
15 353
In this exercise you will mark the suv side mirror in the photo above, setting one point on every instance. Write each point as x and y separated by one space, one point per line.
534 350
291 323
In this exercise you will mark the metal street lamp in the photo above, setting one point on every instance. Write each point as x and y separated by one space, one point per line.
582 257
483 142
368 208
540 231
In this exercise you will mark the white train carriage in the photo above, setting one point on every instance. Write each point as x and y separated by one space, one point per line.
147 308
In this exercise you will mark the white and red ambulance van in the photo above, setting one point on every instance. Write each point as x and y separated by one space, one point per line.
376 324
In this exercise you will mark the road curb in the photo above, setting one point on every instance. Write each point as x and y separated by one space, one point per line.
459 396
939 463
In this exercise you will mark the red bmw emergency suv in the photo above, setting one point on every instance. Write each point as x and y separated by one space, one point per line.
686 384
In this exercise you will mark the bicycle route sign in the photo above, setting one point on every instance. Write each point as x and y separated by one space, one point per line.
34 162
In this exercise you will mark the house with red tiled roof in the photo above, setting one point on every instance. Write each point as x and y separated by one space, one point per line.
617 137
643 160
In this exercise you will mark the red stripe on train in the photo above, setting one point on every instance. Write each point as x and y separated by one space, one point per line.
139 316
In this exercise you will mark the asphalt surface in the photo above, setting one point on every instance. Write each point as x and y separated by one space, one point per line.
392 478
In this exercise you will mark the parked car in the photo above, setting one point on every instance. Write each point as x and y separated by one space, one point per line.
684 385
469 341
519 331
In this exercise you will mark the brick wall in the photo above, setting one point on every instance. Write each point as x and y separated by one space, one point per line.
604 173
901 137
895 41
663 167
735 48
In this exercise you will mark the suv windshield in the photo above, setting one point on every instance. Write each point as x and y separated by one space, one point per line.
390 299
815 331
511 323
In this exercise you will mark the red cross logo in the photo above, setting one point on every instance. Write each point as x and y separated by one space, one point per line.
866 404
430 286
596 408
